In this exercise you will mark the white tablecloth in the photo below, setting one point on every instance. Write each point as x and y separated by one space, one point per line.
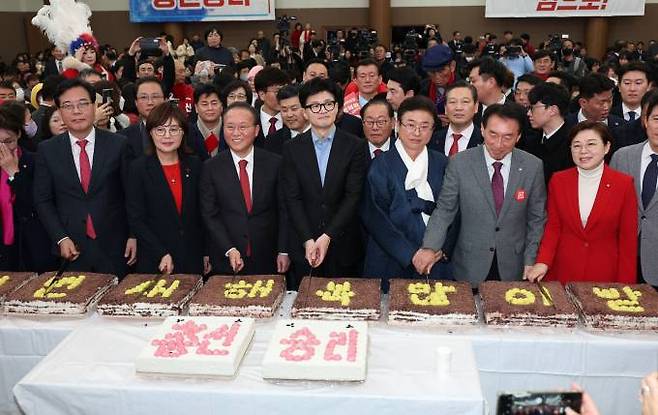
24 341
93 371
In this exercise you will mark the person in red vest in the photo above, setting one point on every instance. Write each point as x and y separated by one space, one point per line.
439 62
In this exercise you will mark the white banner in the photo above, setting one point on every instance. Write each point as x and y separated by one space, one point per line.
564 8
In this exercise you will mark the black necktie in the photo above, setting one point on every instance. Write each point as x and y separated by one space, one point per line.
649 181
631 115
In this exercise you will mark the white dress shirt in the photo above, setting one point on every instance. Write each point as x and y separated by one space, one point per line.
502 100
89 148
505 168
265 121
581 117
644 162
625 110
463 141
250 168
384 147
547 136
295 133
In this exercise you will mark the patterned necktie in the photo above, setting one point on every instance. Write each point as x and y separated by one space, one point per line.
649 181
497 186
272 128
454 148
85 178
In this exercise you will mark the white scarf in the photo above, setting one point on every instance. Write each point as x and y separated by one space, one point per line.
416 174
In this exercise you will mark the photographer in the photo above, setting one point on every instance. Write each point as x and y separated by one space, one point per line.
516 59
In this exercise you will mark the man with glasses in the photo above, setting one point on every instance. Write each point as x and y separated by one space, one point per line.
242 201
377 118
148 95
323 174
86 218
499 192
549 104
267 84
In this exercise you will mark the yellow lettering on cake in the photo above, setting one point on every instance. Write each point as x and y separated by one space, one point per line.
519 296
139 288
3 280
423 295
241 289
159 289
70 283
631 304
337 292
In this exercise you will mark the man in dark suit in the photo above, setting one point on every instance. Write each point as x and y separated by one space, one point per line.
292 114
323 175
488 78
377 116
550 141
55 65
242 202
205 133
461 133
79 187
633 84
148 95
267 83
595 102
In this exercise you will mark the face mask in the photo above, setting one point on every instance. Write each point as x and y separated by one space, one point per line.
567 51
31 128
244 76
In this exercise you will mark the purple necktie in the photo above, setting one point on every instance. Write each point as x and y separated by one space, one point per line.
497 186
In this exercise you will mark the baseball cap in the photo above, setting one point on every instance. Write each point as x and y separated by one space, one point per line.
437 57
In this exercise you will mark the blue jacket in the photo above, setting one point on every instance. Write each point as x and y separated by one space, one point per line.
392 217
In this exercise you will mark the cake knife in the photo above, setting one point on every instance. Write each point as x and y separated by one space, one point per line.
58 274
545 294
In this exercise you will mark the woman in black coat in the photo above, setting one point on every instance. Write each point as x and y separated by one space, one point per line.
24 243
163 196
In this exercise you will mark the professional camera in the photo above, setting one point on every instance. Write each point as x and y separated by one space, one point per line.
410 46
283 27
365 39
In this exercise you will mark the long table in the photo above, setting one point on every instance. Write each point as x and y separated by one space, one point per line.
93 371
609 365
24 341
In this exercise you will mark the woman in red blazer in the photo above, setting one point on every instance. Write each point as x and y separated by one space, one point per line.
591 232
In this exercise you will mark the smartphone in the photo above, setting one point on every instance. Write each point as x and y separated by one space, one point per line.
149 43
106 95
538 403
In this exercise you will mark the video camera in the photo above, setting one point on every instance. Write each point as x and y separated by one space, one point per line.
365 39
410 46
283 27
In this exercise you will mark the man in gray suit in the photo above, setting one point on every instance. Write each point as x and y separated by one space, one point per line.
641 162
500 193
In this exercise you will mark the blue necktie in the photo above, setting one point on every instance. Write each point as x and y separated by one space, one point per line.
649 181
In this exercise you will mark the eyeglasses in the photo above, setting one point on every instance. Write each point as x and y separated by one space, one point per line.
70 107
242 129
589 146
412 128
173 131
152 98
316 108
240 97
378 123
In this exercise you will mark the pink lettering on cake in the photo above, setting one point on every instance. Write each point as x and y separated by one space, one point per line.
348 339
220 333
303 340
173 345
190 330
351 345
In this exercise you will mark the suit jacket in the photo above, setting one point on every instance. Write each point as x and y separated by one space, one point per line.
613 120
155 221
30 238
63 206
350 124
197 142
51 68
315 209
555 152
438 140
227 220
605 250
628 160
136 140
513 235
628 134
274 142
392 216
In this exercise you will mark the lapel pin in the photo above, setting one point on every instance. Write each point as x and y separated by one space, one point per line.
520 169
607 185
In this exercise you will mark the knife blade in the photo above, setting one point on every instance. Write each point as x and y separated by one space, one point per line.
545 294
58 275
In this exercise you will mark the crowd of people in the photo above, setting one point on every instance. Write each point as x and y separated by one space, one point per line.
458 159
468 160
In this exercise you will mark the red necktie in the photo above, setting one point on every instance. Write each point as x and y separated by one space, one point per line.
377 152
211 143
454 148
85 178
246 192
497 186
272 128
